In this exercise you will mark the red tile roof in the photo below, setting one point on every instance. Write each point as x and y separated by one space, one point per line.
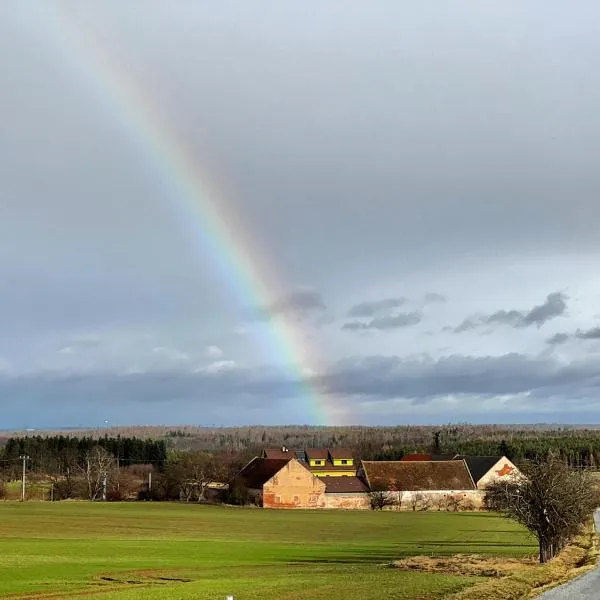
418 475
317 453
259 470
340 453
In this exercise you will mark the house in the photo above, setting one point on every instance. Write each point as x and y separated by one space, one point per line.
322 462
422 483
281 483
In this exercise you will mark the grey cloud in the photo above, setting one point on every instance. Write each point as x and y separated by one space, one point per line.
299 304
372 308
359 378
554 306
589 334
434 297
387 322
392 377
581 334
558 338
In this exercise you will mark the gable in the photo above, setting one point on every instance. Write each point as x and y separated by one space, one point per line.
292 475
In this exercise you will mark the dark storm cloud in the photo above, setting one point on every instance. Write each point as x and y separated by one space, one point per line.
392 377
554 306
372 308
357 379
383 323
299 304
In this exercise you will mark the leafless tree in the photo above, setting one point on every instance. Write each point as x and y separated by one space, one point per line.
99 464
379 500
551 500
416 501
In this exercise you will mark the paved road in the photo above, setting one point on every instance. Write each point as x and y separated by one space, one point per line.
584 588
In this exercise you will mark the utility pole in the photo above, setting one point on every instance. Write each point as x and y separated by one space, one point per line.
150 481
24 458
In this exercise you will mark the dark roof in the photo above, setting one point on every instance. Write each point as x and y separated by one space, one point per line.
344 485
317 453
259 470
479 465
418 475
416 456
340 453
278 453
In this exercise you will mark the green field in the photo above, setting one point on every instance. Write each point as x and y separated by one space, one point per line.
173 551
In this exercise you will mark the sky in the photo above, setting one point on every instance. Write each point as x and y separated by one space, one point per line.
406 199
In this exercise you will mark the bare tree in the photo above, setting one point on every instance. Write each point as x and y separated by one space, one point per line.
379 500
551 500
99 464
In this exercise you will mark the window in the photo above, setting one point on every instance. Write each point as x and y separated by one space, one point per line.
344 461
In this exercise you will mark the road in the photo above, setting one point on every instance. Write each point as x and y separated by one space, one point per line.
584 588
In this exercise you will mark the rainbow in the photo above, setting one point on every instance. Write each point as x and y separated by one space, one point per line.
214 225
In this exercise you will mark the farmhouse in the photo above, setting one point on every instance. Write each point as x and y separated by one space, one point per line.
423 484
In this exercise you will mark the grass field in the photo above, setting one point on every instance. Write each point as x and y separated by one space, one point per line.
173 551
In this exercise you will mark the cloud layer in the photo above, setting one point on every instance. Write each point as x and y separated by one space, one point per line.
374 182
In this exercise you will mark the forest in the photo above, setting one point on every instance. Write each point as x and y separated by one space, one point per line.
53 451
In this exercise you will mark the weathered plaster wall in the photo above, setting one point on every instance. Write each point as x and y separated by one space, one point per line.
293 487
438 500
354 501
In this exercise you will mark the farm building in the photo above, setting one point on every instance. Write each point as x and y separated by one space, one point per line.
484 469
289 483
328 478
281 483
488 469
423 484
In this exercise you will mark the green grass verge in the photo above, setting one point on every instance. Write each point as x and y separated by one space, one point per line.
165 551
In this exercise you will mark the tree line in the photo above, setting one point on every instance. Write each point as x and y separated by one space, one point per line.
57 455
